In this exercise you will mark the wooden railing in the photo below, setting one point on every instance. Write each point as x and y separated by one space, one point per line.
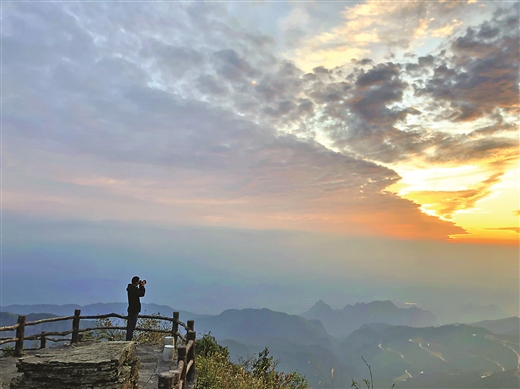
171 380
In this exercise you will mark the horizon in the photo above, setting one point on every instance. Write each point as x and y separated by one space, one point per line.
475 311
402 306
261 154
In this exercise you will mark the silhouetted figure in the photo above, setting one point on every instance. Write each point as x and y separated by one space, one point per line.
135 291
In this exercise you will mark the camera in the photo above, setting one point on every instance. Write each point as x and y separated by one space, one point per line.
142 282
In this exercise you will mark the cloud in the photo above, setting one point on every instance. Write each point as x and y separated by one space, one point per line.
446 203
369 111
374 29
248 126
482 76
233 67
514 229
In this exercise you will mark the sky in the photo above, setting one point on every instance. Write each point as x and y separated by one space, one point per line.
261 154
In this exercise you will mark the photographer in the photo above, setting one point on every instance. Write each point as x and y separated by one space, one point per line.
135 291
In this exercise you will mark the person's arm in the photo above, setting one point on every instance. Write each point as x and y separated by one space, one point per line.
141 290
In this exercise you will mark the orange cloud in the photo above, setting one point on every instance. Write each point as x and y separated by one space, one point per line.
446 203
514 229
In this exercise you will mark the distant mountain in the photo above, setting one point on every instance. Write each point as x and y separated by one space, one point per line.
508 326
96 309
9 319
341 323
402 352
58 310
257 326
472 313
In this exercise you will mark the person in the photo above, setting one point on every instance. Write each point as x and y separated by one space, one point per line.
135 291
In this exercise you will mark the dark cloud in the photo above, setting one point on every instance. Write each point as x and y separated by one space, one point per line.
479 78
483 74
422 66
282 84
498 128
233 67
366 113
365 61
330 93
322 70
378 75
426 60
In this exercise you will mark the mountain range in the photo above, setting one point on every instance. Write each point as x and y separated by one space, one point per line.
9 319
340 323
509 326
403 347
258 326
96 309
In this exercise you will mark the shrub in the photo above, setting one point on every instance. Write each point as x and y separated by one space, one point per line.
105 333
216 371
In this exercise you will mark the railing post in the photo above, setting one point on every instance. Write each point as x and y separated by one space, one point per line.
75 326
175 327
43 340
190 324
20 331
191 335
182 357
176 379
166 380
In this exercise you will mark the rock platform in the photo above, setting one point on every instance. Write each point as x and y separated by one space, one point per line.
103 365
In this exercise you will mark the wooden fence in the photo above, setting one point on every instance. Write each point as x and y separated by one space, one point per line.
169 380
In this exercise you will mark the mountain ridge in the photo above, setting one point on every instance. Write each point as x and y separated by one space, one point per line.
341 323
95 309
508 326
256 325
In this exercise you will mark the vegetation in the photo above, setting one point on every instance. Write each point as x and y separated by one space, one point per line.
106 333
216 371
8 350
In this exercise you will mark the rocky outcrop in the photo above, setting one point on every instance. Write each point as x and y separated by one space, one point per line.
100 365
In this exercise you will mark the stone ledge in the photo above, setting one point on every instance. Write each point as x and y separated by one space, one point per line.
109 365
